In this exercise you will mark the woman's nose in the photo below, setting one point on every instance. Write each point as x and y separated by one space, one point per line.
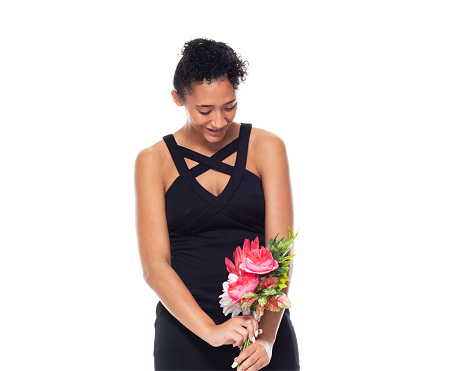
219 121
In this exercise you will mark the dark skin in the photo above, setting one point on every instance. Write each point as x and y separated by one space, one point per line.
210 111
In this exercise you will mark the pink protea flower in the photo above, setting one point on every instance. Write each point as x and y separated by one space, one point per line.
240 254
259 261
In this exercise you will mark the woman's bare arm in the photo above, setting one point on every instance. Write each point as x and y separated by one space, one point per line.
154 250
279 213
272 165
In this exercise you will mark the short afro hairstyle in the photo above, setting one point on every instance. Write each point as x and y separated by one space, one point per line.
205 60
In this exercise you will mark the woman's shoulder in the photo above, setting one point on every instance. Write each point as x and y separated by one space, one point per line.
265 142
153 159
266 150
153 154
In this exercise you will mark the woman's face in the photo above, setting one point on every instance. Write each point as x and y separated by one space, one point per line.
210 108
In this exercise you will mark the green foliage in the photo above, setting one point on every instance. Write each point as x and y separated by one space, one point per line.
283 301
249 295
272 305
267 292
248 303
279 249
266 283
262 300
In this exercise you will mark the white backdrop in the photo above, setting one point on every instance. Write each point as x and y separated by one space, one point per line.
369 97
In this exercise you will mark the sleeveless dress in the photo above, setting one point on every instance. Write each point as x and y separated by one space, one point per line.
203 230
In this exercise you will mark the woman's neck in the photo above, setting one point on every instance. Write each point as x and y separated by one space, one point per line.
192 139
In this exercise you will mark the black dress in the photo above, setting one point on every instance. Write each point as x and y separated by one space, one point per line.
203 230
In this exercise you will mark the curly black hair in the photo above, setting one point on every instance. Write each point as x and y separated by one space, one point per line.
207 60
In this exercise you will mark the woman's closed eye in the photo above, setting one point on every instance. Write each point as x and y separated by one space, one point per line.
231 108
226 109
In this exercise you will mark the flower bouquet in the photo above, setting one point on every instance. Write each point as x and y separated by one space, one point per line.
257 277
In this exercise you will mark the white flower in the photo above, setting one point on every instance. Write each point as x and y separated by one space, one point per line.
226 302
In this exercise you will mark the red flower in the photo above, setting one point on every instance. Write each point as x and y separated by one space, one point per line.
244 283
259 261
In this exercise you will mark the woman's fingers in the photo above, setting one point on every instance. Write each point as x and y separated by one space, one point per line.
252 327
243 332
248 359
238 329
238 340
252 358
242 356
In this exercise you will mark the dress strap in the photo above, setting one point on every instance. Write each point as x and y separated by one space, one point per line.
209 162
176 155
243 147
223 153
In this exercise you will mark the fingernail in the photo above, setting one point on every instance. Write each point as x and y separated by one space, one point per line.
234 365
253 339
256 333
260 331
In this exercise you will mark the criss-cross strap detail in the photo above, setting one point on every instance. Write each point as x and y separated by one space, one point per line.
209 162
222 154
205 163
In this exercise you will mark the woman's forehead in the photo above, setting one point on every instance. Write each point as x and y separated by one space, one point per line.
214 92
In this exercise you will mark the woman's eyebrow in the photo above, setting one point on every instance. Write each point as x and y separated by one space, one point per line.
210 105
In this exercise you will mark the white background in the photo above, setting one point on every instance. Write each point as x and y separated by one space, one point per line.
369 97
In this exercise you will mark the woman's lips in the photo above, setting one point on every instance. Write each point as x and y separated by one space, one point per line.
215 131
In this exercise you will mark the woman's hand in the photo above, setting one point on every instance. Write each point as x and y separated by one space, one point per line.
234 331
255 356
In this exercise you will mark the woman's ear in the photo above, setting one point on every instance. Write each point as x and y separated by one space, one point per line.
176 98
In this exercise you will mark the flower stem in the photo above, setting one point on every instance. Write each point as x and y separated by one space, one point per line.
247 342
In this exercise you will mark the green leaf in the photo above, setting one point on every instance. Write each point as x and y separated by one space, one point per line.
283 301
249 295
246 303
272 305
262 300
289 257
267 283
268 292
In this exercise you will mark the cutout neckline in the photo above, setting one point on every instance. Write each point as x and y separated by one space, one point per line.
213 162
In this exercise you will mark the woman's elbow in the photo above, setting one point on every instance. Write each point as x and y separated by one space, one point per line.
151 271
146 274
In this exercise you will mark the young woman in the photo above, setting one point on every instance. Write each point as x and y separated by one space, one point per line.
200 192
